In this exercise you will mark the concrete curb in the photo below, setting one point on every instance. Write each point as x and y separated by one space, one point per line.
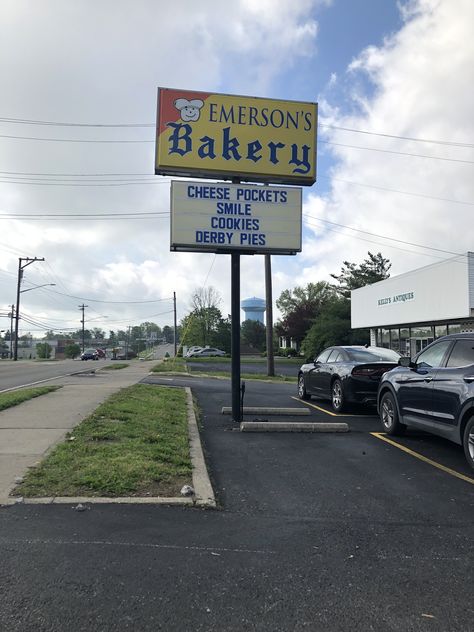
203 492
259 410
297 426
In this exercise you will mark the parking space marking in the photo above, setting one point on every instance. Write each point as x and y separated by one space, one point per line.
448 470
323 410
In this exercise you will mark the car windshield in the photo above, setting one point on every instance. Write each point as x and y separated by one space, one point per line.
373 355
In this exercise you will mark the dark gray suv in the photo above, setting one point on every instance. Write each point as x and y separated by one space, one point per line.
434 392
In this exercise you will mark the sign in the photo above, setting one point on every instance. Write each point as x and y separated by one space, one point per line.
206 135
223 217
396 298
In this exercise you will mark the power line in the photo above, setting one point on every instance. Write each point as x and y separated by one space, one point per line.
85 215
145 175
397 153
379 188
410 138
60 124
136 125
72 140
80 184
95 300
402 241
378 243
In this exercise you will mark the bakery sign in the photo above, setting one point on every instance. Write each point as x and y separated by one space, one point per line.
208 135
223 217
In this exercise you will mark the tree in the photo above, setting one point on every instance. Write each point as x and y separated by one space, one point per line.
202 322
72 350
168 334
252 333
352 276
43 349
300 307
98 333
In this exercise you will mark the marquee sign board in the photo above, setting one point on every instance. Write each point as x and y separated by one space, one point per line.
207 135
223 217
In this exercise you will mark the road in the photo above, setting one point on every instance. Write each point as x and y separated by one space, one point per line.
31 372
318 532
26 372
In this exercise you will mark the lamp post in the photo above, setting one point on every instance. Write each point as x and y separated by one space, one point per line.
17 311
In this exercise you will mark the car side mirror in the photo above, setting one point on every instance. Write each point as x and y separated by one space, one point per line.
316 363
406 362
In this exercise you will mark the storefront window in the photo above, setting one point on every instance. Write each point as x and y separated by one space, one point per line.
385 342
441 330
420 337
454 328
405 342
394 339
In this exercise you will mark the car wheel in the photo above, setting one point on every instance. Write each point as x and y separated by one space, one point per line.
468 442
337 396
389 415
302 394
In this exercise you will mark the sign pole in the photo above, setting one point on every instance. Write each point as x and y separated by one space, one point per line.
235 331
235 337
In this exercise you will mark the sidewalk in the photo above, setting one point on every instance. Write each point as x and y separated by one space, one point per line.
29 430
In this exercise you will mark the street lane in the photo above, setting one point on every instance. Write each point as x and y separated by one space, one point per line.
25 372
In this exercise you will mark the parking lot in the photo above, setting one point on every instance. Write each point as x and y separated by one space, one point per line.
336 531
428 449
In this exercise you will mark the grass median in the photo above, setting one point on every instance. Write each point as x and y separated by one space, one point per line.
178 365
134 444
13 398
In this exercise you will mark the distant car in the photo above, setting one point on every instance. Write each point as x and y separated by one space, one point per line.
101 353
346 375
90 354
206 352
191 350
122 355
434 392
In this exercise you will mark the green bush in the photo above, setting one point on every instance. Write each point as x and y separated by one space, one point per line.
72 351
43 349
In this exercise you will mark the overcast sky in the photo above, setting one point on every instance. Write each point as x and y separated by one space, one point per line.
395 153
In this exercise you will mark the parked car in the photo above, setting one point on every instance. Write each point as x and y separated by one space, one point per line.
125 355
90 354
346 375
191 350
434 391
206 352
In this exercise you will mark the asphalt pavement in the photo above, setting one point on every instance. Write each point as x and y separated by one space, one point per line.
313 532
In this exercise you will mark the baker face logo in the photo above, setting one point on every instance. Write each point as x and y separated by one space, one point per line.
189 110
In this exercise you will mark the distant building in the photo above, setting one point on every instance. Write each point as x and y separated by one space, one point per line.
254 309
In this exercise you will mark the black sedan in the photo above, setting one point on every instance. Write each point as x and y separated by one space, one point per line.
346 375
434 392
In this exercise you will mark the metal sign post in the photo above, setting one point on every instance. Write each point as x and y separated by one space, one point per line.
235 336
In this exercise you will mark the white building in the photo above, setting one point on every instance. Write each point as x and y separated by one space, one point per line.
409 311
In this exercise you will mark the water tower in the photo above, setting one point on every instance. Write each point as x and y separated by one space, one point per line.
254 309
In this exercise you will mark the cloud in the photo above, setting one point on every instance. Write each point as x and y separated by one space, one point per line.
101 63
415 85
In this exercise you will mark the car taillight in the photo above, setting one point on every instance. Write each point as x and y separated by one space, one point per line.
364 371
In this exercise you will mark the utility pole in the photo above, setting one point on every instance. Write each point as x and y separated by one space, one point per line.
269 315
12 315
21 266
82 308
175 326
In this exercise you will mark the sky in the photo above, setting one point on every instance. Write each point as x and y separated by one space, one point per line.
393 81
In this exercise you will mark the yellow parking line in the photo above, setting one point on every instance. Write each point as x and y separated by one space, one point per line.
323 410
448 470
